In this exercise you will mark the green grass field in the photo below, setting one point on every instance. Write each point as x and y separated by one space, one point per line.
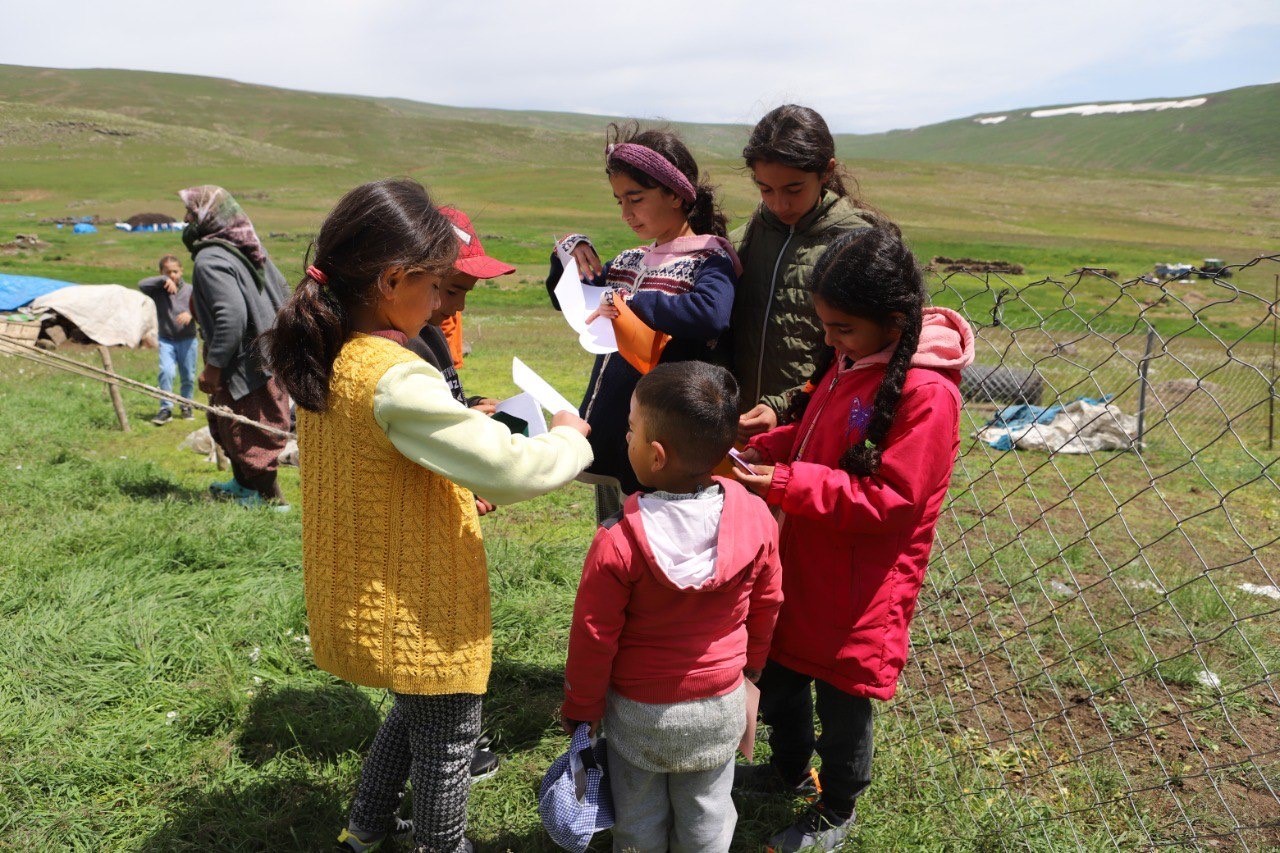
157 689
160 695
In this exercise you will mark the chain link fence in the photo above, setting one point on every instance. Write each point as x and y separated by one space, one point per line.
1097 644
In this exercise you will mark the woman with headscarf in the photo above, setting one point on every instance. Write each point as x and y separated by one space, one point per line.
236 293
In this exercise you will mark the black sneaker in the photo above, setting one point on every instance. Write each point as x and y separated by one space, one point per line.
187 413
483 764
163 416
765 780
818 828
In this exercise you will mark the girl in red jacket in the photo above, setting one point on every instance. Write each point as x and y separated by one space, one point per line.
859 473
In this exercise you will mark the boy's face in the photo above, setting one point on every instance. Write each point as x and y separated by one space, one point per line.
642 451
172 270
453 295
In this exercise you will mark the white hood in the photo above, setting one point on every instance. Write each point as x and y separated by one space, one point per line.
683 536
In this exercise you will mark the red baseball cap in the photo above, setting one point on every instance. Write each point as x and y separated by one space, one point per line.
471 257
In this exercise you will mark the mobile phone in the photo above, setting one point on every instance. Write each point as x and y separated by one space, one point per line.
740 462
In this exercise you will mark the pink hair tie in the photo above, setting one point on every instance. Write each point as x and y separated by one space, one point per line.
319 277
655 166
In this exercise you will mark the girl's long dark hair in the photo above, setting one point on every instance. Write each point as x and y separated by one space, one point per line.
705 216
375 227
798 137
870 273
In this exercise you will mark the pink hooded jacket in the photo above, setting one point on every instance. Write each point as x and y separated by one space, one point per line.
637 632
854 549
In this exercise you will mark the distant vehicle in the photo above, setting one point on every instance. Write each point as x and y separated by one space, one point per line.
1213 268
1173 272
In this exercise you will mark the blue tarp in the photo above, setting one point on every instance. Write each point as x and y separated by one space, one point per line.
18 290
1015 418
84 228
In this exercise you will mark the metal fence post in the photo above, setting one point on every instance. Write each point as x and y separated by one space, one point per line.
1271 400
1142 385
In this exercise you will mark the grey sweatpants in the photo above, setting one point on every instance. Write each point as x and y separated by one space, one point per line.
680 812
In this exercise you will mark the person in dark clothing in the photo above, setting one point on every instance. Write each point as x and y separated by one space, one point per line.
679 285
172 296
807 200
432 345
472 265
236 293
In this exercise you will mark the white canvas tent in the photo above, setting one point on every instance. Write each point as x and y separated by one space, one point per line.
107 313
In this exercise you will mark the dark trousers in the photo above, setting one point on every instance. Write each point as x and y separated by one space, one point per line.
428 740
786 704
254 454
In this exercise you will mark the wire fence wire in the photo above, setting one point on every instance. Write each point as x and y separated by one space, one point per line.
1096 646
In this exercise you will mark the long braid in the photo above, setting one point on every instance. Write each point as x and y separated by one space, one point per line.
800 399
826 355
863 459
870 273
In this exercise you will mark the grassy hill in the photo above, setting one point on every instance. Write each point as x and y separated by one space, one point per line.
1232 133
114 143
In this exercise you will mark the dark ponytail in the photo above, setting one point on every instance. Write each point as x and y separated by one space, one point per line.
374 228
704 213
870 273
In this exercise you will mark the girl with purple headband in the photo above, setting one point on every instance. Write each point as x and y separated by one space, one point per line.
680 284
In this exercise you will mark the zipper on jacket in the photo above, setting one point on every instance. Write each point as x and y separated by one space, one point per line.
764 329
814 423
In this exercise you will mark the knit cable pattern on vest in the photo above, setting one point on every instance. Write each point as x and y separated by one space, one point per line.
396 583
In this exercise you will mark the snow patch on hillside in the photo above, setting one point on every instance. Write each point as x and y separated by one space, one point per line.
990 119
1126 107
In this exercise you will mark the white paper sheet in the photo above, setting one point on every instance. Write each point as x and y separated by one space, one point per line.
577 300
524 407
549 398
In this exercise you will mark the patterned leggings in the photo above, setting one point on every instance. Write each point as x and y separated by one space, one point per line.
428 739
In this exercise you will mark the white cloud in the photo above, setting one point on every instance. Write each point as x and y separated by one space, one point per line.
866 66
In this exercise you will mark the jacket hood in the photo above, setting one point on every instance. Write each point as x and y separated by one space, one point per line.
655 256
946 343
731 554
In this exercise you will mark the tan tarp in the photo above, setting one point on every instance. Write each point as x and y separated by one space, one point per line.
107 313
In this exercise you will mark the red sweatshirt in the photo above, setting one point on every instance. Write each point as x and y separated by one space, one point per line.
854 549
638 632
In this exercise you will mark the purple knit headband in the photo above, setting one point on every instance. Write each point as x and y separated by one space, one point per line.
655 166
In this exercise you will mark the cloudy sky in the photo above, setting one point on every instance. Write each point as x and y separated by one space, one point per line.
867 66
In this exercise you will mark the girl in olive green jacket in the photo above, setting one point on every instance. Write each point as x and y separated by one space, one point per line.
806 203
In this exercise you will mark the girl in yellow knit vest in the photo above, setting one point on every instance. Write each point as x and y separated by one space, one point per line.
394 567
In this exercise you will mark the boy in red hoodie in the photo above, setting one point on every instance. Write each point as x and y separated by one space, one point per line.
677 603
859 472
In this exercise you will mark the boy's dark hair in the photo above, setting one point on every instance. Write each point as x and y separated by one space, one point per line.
870 273
692 408
375 227
164 259
798 137
705 216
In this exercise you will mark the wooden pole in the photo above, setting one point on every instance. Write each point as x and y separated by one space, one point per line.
113 390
